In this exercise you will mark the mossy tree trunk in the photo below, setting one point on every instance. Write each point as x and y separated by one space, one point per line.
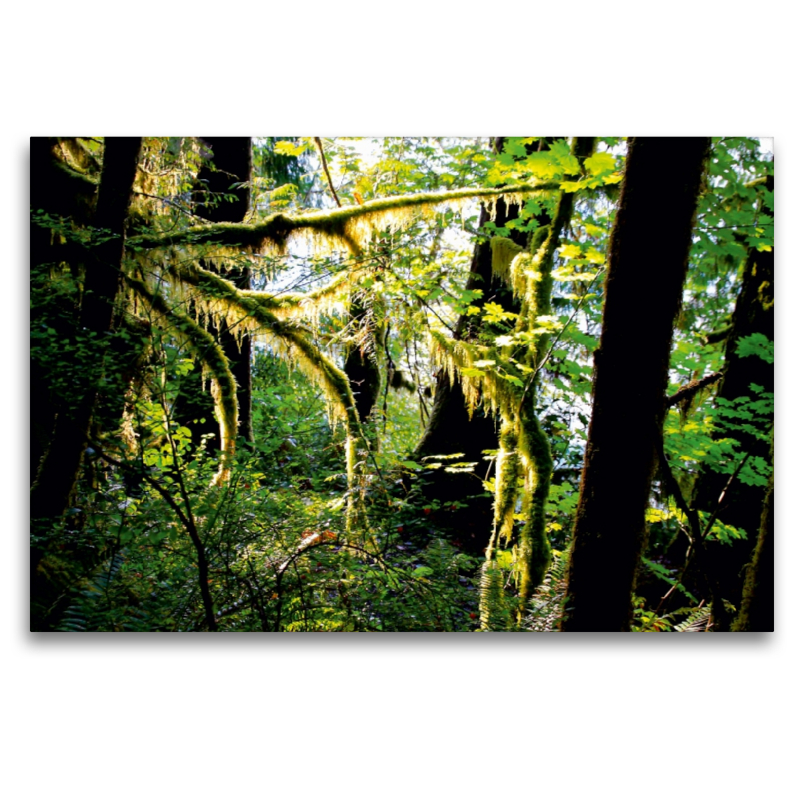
60 465
647 262
742 504
450 428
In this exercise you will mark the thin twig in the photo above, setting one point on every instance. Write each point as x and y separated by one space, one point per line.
318 142
713 518
188 524
557 338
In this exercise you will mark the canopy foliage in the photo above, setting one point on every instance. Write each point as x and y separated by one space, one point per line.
360 254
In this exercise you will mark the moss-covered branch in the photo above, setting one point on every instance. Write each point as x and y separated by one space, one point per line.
689 390
345 227
213 359
256 311
507 472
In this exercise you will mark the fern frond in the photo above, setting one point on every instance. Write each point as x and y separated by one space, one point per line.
494 611
698 621
89 609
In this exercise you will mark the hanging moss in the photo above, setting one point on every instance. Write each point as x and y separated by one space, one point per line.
341 228
223 386
503 252
524 448
254 312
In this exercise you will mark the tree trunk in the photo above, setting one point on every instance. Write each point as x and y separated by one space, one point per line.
60 465
757 612
232 160
361 367
754 313
59 191
450 429
647 262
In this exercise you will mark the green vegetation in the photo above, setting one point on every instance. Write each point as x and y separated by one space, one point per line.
359 289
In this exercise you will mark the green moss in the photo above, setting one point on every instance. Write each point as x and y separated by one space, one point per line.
503 252
210 354
538 465
506 475
340 228
254 311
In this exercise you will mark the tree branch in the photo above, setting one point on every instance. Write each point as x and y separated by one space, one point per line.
276 229
186 521
324 161
690 389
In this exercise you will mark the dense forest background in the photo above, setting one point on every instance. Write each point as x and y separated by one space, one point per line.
411 714
419 384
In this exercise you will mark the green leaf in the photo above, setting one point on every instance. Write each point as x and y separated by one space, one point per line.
756 345
599 163
290 148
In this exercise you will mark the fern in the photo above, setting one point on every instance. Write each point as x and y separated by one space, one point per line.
494 611
90 609
544 607
698 621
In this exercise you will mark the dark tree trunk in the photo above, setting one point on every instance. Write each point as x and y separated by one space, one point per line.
230 162
757 611
450 429
742 505
647 261
59 191
361 367
59 468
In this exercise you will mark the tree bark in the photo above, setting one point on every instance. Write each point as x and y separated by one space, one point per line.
754 313
757 611
450 429
361 367
60 465
647 262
